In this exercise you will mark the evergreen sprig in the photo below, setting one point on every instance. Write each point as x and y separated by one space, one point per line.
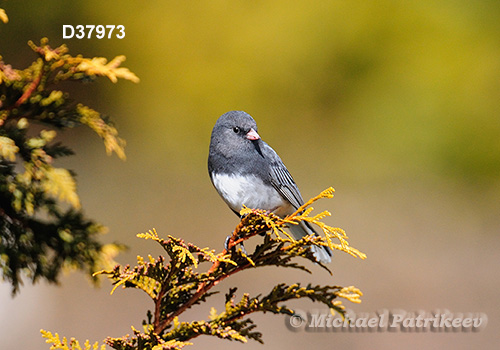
72 344
37 236
177 284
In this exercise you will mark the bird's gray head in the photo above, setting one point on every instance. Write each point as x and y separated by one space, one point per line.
233 132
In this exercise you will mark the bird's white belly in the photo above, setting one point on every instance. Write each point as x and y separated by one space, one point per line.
250 191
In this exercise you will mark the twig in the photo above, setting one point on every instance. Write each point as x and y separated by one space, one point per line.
205 286
30 89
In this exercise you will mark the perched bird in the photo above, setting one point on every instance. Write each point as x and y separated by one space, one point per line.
247 171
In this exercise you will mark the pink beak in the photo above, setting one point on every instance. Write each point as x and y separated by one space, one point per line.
252 135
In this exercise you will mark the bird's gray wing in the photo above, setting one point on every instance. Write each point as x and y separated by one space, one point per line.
281 179
283 182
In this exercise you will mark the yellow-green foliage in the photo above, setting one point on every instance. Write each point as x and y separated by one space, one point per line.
302 214
64 238
3 16
72 344
183 280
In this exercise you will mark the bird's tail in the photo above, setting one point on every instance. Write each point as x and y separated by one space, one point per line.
322 254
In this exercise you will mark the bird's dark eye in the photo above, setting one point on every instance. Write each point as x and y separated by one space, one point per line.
236 130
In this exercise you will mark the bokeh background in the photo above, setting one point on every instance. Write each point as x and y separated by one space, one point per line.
394 103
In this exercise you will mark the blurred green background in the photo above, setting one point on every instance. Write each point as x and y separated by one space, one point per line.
394 103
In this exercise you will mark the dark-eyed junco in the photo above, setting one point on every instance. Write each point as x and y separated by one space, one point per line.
247 171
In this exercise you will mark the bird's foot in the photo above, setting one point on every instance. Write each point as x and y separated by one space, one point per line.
226 245
243 250
226 242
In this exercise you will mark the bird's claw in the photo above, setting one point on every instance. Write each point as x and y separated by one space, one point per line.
226 245
243 250
226 242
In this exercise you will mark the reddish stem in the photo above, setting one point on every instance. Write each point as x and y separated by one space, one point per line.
29 90
205 286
